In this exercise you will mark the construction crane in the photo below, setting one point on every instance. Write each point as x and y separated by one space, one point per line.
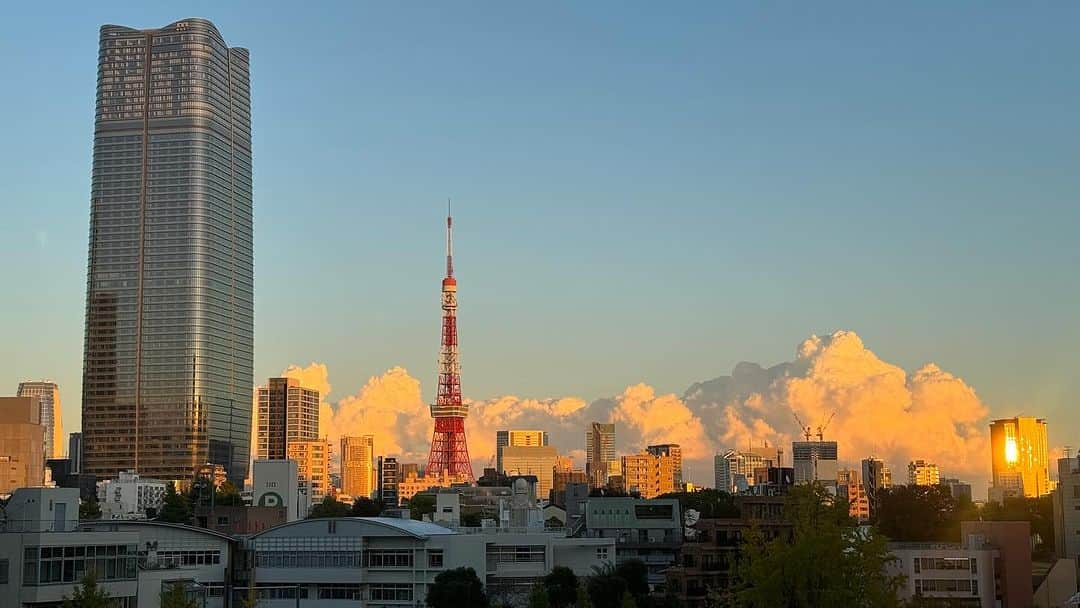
821 428
804 429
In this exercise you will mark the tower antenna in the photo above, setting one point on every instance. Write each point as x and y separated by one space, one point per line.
449 241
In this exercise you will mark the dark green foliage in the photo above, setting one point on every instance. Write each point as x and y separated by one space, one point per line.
712 504
920 514
89 509
176 597
330 507
421 505
471 520
365 507
607 585
227 495
828 561
457 588
175 509
1039 512
87 594
538 597
636 575
561 586
582 600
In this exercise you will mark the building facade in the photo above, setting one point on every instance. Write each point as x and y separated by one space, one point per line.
276 483
956 573
1019 457
600 458
922 473
535 460
673 451
129 496
515 437
168 350
312 466
358 476
647 530
875 476
815 461
1067 508
734 470
22 444
648 475
389 474
287 412
48 395
75 452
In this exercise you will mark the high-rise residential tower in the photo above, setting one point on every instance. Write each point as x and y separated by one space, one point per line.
1019 459
922 473
358 466
48 395
675 452
600 459
167 366
288 412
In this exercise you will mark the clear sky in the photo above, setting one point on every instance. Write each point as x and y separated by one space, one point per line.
643 192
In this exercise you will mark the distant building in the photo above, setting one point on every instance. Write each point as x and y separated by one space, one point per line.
815 461
22 444
408 468
238 520
48 396
389 475
922 473
958 489
516 438
600 453
1067 508
647 530
734 469
850 487
411 485
957 572
538 460
130 496
75 452
358 476
288 412
313 466
1019 460
276 484
648 475
875 476
212 472
673 451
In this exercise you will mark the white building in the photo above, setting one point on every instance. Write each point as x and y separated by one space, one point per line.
946 571
1067 508
734 469
129 496
276 483
815 461
386 561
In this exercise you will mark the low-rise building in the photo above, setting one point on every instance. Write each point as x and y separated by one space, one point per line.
276 483
960 573
412 484
130 496
646 530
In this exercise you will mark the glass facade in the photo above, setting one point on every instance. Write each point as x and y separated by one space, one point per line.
168 353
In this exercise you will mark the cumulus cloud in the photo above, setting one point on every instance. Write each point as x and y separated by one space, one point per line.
877 408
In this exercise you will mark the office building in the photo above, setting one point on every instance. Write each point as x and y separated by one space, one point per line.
815 461
600 453
129 496
535 460
518 438
673 451
648 475
959 573
922 473
167 366
389 475
313 466
647 530
875 476
358 466
75 452
1019 460
287 412
849 487
22 443
734 470
48 396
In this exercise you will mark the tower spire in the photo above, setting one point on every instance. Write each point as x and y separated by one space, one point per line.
449 241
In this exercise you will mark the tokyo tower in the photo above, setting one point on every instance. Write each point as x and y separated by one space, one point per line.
449 448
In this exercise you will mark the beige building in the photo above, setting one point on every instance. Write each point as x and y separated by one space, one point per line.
1019 459
850 487
922 473
48 396
539 460
22 443
648 474
357 466
312 466
675 452
410 485
287 412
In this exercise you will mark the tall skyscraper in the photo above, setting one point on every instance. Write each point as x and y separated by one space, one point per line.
600 452
517 438
449 446
875 476
167 366
815 461
287 412
675 452
538 460
922 473
357 466
22 443
48 396
75 452
1019 460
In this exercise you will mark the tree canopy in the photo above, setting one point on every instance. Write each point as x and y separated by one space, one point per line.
607 585
457 588
87 594
330 507
710 503
920 513
175 509
421 505
561 586
89 509
176 597
365 507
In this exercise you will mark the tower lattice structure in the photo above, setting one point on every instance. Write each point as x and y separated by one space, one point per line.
449 447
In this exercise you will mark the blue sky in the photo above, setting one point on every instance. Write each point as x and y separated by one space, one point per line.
640 194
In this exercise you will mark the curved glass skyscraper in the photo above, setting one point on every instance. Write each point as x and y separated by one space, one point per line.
167 368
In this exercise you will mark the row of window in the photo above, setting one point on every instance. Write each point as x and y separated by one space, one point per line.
932 585
945 563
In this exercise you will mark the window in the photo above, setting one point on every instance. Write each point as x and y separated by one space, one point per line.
602 554
3 571
390 592
388 558
1076 491
654 511
435 558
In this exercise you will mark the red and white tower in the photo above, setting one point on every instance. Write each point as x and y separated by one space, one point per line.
449 448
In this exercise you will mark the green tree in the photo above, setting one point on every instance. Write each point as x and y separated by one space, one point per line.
538 597
582 597
918 513
365 507
561 586
710 503
89 509
228 495
176 597
175 509
421 505
330 507
636 575
627 600
605 587
827 561
87 594
457 588
1038 512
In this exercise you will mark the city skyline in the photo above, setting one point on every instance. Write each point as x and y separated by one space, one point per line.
684 348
